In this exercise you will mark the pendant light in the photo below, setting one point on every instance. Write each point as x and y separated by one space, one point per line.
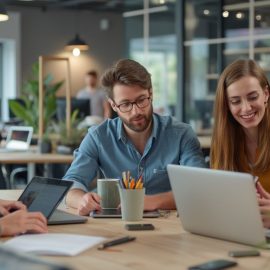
76 45
3 13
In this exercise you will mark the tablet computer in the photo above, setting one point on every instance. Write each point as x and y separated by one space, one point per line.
44 194
116 213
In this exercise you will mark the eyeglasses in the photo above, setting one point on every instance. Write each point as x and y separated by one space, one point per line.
128 106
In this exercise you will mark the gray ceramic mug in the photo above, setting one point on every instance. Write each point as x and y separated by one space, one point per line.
107 189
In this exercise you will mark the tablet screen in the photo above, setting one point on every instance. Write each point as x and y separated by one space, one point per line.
116 213
44 194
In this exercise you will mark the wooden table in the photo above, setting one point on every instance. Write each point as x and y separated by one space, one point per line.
33 158
167 247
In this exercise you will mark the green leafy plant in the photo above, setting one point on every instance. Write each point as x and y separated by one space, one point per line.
76 134
28 112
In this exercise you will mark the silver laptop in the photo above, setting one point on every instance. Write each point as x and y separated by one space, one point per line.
218 204
18 139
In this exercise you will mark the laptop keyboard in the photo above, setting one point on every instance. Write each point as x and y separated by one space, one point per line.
11 260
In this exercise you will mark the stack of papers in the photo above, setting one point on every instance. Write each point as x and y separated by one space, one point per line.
56 244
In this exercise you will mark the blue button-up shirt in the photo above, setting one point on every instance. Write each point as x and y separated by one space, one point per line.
107 148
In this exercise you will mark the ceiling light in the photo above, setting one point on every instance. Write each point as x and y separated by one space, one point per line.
258 17
76 52
3 14
239 15
77 45
206 12
225 14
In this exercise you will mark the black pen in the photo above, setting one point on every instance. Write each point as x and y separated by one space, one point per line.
117 241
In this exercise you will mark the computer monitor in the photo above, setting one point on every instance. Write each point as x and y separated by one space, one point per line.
82 105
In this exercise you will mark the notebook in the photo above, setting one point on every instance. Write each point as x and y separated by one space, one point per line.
18 139
218 204
44 195
116 213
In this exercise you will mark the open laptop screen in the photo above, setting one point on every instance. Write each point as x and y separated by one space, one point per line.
44 194
19 137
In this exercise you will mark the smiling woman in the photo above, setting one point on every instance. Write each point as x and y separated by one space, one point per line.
247 101
241 136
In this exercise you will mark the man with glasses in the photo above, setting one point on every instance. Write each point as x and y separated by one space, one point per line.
138 140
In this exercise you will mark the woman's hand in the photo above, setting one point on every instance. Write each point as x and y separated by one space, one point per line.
264 204
22 221
7 206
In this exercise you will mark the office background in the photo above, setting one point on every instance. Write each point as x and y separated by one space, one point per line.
184 44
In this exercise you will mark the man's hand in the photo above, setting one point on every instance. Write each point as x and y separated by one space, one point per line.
89 202
150 203
159 201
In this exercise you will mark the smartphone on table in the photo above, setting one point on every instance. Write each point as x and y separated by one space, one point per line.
139 227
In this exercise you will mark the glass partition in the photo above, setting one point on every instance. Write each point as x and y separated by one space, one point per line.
151 40
216 34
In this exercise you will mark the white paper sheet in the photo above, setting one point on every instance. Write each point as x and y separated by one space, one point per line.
55 244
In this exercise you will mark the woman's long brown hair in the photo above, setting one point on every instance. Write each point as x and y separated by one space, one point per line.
228 142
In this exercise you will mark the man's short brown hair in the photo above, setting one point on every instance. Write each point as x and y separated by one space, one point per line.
92 73
126 72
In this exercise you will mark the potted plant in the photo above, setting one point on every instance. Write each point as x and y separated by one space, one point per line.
45 144
28 112
67 143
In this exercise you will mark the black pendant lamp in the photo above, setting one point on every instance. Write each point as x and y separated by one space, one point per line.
76 45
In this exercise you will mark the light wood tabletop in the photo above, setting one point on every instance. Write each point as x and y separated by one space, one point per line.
34 157
31 159
167 247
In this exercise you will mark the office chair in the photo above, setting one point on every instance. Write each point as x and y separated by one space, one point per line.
17 173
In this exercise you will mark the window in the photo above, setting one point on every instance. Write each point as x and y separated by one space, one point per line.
215 36
1 78
151 40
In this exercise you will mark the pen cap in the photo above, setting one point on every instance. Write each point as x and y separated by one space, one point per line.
132 203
